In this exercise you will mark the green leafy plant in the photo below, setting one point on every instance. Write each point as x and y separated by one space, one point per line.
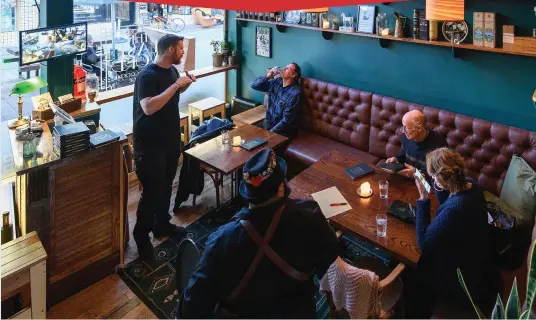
513 306
233 53
215 46
224 44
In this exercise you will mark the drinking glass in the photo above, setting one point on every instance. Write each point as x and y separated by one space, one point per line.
384 189
225 136
381 225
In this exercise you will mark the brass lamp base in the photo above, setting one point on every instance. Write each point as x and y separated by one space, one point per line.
14 123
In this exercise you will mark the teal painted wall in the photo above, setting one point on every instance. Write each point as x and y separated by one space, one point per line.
491 86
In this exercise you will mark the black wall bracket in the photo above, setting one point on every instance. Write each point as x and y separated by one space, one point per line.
280 28
327 35
242 23
384 43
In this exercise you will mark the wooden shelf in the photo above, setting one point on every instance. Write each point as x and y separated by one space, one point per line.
384 40
128 91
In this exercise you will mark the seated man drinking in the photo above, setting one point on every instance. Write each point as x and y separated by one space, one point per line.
274 280
284 94
417 141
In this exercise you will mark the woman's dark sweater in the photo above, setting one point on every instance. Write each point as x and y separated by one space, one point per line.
459 237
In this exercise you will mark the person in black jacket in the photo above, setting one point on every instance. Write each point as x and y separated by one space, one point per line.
301 237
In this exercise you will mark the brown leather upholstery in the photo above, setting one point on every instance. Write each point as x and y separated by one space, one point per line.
486 147
351 118
309 147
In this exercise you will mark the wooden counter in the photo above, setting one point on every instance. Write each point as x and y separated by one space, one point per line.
76 205
128 91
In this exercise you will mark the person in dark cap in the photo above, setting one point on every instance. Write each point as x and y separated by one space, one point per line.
261 264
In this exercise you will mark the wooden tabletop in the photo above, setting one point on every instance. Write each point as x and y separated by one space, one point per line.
226 158
206 104
251 116
401 240
183 115
22 253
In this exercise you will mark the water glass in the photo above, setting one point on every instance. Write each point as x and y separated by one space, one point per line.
381 225
384 189
225 136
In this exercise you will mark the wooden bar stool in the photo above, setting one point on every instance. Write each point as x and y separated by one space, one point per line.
185 137
205 108
24 260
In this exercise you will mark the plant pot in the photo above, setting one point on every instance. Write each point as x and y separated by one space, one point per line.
225 53
232 60
217 59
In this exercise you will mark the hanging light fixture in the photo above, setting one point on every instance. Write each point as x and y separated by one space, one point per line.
445 10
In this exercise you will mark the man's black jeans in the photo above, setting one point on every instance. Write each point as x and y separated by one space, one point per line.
156 172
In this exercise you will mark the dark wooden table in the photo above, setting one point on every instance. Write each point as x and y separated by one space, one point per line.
226 159
401 239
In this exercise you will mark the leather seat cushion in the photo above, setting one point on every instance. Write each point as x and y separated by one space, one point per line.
309 147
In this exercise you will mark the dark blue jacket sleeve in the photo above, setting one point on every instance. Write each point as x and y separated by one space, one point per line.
430 235
401 156
290 115
326 243
202 294
262 84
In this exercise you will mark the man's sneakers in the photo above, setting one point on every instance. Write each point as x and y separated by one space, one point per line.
170 230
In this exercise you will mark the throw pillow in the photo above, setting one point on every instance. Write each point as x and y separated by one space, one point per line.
519 188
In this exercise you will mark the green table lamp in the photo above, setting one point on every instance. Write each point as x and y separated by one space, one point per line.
21 88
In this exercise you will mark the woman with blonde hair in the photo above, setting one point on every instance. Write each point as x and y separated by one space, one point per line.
458 237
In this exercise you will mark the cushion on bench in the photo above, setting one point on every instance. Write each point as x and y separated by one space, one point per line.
309 147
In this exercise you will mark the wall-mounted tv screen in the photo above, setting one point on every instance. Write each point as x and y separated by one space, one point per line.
48 43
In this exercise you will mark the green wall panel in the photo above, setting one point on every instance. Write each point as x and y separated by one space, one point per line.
486 85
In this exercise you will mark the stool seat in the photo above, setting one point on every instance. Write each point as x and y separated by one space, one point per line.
205 108
24 261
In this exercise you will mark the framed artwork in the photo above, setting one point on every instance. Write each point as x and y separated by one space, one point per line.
365 19
263 42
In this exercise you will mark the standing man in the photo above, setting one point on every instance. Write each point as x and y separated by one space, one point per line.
284 93
417 141
157 141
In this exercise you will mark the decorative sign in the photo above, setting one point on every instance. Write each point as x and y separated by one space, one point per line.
263 42
365 22
41 101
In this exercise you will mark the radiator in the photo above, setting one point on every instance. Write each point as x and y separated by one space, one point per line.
242 104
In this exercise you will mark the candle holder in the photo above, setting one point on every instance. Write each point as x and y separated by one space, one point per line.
365 191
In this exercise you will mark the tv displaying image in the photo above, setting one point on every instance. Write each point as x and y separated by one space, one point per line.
48 43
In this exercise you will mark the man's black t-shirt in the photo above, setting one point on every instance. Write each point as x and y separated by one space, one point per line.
159 131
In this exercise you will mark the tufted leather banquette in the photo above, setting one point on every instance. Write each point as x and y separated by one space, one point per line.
370 126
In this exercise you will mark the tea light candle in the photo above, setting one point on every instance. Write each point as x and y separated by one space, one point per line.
365 189
237 140
385 32
325 24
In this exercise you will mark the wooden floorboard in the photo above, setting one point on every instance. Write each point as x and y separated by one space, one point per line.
111 298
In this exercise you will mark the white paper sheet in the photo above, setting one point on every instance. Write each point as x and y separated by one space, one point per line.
326 197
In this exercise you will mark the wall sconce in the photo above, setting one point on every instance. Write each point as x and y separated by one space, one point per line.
534 98
445 10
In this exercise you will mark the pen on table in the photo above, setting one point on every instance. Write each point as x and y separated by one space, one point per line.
338 204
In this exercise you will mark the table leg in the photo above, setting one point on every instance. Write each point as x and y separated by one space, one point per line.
217 185
186 133
223 113
191 116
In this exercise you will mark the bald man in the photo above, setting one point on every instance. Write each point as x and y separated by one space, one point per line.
417 141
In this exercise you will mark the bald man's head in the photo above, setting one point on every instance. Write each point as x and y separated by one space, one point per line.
414 124
413 118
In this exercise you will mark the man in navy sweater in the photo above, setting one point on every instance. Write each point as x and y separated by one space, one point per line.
283 107
417 141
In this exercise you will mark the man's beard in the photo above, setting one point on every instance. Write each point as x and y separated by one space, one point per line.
177 61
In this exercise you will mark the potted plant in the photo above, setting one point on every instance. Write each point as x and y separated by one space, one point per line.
217 56
233 58
225 49
513 308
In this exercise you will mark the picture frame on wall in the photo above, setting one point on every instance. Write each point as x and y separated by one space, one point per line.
263 41
365 19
